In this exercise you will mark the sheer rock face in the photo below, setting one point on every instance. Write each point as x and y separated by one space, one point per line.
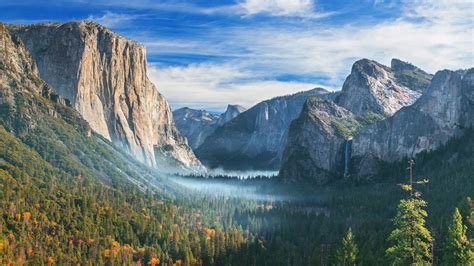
196 125
104 76
256 138
373 88
438 115
316 142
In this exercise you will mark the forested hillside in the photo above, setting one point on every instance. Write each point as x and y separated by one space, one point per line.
69 196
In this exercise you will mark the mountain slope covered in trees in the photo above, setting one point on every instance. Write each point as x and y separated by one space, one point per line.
69 196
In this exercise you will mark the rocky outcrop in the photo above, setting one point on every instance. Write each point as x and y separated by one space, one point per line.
439 114
410 76
21 85
196 125
36 124
317 141
17 69
256 138
373 88
104 77
230 113
18 72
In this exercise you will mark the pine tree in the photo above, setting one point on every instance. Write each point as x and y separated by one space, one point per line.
346 253
411 240
457 250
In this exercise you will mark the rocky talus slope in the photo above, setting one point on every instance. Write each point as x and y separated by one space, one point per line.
104 76
196 125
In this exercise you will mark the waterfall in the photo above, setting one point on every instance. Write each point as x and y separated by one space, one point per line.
347 156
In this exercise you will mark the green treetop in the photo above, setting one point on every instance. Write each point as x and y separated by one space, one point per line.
346 254
410 240
457 249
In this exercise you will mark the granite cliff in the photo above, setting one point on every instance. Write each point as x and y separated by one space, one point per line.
440 114
316 142
373 88
104 76
196 125
410 76
256 138
320 146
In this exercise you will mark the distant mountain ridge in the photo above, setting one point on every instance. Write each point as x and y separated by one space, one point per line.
255 139
196 125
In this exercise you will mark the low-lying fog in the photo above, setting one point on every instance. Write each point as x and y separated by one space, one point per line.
250 185
237 188
264 191
240 174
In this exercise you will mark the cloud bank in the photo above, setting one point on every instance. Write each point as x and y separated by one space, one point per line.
207 54
432 35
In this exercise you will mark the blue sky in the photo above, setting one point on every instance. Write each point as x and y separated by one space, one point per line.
206 54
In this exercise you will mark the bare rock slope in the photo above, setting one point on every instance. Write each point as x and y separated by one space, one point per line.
104 76
373 88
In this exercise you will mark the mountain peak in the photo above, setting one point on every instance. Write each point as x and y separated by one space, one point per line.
410 75
232 111
373 88
235 107
397 64
370 68
320 90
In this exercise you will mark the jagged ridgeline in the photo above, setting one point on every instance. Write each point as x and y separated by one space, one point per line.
197 125
255 139
319 147
377 120
67 195
104 76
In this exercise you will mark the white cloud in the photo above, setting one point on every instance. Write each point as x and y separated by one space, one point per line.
432 35
213 86
278 7
289 8
110 19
